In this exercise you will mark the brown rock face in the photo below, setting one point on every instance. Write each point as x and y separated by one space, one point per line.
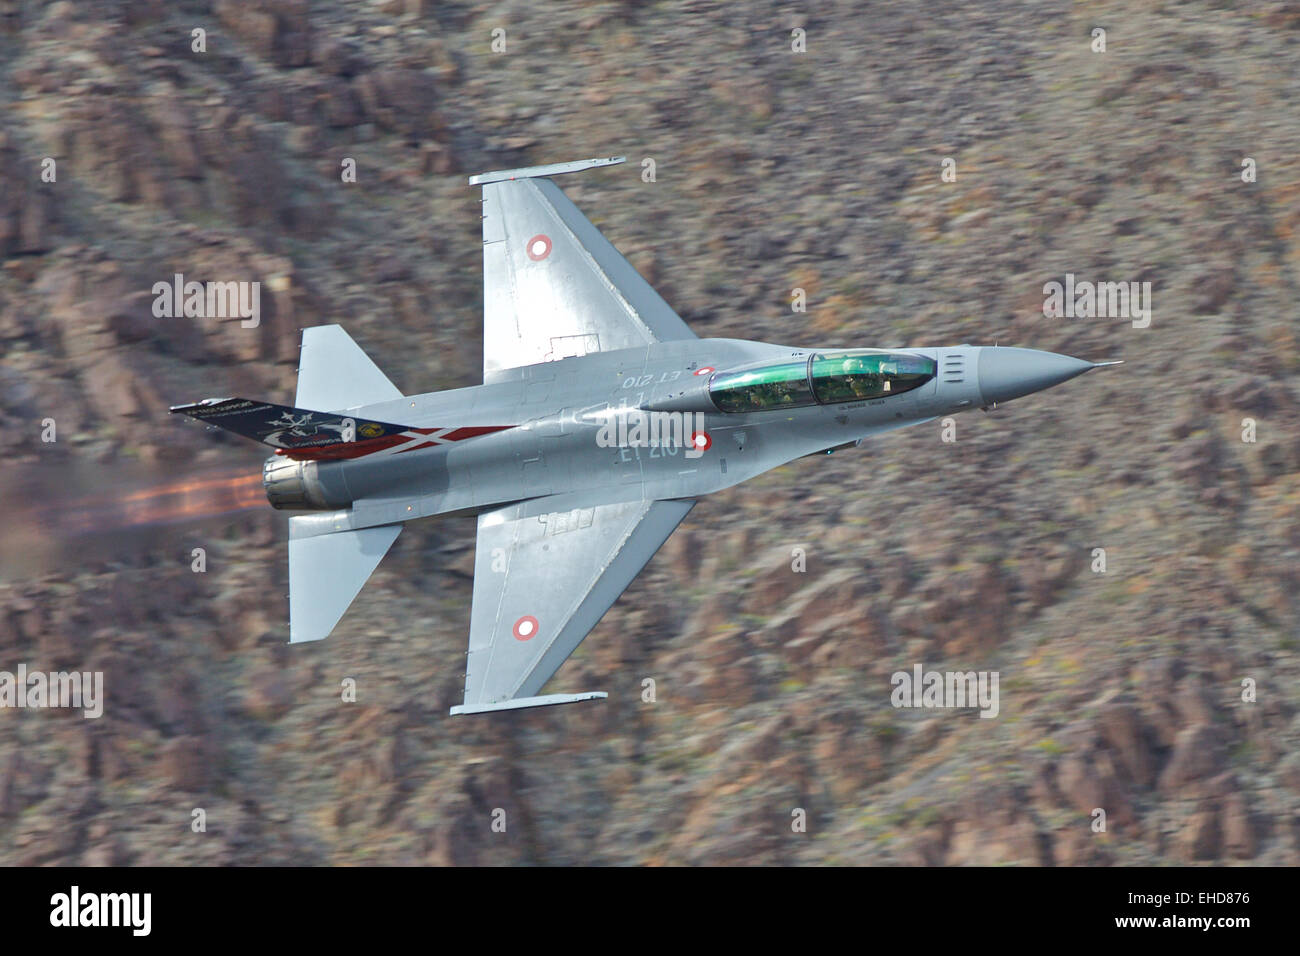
184 764
1122 729
276 30
398 99
26 205
1197 755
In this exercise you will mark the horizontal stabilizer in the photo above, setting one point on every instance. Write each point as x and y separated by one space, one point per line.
334 373
326 572
521 702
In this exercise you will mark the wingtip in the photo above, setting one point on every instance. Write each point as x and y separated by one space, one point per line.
551 169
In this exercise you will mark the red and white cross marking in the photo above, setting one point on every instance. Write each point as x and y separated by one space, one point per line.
393 444
445 436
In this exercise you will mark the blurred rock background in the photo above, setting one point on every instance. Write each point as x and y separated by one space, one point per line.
774 170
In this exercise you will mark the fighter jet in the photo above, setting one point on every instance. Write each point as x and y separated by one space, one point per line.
601 419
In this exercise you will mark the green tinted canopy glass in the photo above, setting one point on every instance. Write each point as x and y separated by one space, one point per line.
762 389
862 374
829 378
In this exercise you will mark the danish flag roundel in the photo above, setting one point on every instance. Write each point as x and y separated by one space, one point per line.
539 247
701 441
525 628
705 370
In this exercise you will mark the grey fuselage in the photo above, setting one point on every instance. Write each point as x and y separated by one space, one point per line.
557 410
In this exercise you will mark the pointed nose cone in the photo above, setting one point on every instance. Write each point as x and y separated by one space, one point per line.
1005 374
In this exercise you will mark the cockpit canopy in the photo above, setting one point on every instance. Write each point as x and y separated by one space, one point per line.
824 378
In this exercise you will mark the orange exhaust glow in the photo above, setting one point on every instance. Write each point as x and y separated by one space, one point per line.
189 500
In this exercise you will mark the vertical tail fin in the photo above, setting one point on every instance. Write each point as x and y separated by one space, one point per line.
300 433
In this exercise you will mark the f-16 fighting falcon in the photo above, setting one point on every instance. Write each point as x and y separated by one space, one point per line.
600 420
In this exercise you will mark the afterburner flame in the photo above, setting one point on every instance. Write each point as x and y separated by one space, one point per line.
188 500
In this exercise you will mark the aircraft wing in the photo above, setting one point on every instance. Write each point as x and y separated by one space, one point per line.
541 581
553 286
